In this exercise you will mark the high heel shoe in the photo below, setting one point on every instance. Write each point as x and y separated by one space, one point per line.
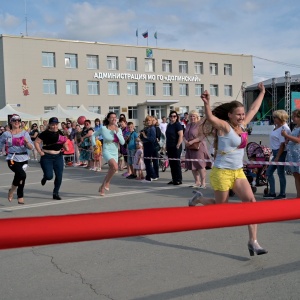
101 190
254 247
196 198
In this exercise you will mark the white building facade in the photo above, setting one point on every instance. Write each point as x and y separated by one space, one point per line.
36 74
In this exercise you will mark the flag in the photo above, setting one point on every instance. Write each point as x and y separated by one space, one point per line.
155 35
137 33
145 34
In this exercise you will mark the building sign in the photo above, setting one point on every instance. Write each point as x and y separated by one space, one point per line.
128 76
149 53
25 87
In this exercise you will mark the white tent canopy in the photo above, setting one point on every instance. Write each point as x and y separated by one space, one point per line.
82 111
62 113
8 110
57 112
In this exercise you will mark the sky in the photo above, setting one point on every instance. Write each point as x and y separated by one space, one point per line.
269 30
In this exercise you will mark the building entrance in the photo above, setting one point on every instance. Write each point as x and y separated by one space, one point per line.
157 111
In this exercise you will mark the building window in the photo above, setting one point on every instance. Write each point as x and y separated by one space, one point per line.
213 69
92 62
132 112
167 89
112 63
149 65
113 88
228 90
71 61
49 86
200 110
183 89
150 88
214 90
93 88
198 67
228 69
167 66
131 64
183 67
95 109
72 87
115 109
72 107
183 109
199 89
132 88
48 108
48 59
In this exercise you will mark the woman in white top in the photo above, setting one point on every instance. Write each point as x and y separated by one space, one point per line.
278 146
229 121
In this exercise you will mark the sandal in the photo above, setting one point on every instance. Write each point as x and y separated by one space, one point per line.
21 202
10 195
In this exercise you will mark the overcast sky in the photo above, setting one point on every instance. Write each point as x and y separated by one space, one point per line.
268 29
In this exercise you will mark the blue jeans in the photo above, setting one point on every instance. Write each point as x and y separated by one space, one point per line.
50 163
280 171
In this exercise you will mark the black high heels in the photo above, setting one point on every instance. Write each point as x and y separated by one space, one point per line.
254 247
56 197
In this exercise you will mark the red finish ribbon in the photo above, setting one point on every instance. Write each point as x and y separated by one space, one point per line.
34 231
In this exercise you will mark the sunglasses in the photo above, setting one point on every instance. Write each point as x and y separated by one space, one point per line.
16 120
173 116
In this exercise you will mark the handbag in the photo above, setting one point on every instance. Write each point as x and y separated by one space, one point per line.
195 146
157 146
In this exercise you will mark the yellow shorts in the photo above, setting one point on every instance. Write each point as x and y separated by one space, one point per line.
224 179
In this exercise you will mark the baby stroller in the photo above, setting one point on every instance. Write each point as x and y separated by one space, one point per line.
255 173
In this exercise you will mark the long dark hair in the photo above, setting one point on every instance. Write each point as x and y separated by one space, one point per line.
105 121
222 110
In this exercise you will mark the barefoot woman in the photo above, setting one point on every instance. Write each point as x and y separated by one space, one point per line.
112 136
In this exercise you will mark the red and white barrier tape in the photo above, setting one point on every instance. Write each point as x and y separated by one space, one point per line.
246 162
36 231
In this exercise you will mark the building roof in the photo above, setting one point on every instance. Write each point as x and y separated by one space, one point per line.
280 81
122 45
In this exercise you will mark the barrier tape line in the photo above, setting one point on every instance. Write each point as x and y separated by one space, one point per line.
245 162
37 231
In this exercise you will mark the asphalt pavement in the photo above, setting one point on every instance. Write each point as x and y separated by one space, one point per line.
202 264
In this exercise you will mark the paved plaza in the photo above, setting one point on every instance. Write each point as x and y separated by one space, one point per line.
203 264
